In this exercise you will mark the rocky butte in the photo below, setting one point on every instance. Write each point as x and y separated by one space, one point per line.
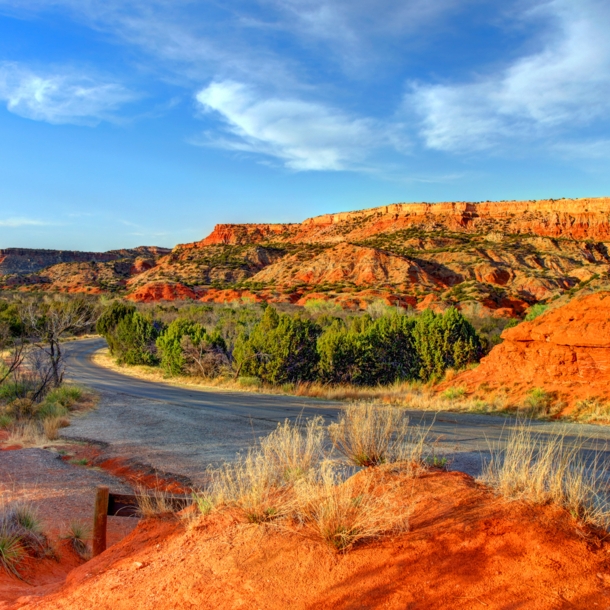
493 257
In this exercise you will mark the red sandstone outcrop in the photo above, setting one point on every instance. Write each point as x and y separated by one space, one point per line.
162 292
347 263
566 350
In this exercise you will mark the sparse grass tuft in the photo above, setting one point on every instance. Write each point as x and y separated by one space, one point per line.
542 469
539 402
592 409
155 503
78 533
293 450
52 426
454 393
370 435
11 551
345 512
252 484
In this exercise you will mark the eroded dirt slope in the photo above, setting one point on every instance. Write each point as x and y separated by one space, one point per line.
466 549
565 351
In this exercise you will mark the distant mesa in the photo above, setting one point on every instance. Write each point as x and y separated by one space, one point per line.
497 258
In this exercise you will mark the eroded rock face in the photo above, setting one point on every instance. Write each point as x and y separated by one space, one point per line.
501 256
566 350
162 291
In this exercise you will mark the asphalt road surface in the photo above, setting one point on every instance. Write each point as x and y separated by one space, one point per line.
182 430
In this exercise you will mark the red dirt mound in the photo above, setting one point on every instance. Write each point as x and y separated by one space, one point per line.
466 549
566 351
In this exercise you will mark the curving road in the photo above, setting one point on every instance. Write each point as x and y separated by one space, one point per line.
182 430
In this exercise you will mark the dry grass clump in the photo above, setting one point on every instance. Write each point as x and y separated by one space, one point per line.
155 503
294 450
77 534
21 536
289 478
255 486
542 469
370 435
592 410
344 512
33 424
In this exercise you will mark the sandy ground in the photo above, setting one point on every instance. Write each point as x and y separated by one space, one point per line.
465 549
60 493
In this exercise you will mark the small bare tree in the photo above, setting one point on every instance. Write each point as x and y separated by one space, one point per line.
12 352
47 323
203 357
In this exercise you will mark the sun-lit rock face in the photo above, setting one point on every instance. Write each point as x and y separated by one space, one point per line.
566 350
500 256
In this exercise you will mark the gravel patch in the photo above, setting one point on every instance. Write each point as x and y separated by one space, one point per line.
60 492
172 438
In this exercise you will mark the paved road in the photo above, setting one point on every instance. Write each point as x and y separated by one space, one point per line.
182 429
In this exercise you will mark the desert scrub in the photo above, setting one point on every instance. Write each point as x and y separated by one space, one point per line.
370 435
252 484
343 512
294 450
592 410
21 536
541 469
77 535
539 402
453 393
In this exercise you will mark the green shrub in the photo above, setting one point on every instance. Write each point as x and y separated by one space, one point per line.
444 341
453 393
539 401
134 340
169 344
280 349
535 310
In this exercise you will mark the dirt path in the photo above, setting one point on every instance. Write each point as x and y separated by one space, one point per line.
60 493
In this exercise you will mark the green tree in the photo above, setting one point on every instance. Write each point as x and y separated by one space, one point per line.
444 341
170 344
134 340
280 348
109 320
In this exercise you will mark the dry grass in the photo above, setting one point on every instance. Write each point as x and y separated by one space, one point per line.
154 503
592 410
77 534
294 450
255 486
344 512
370 435
27 434
541 469
52 426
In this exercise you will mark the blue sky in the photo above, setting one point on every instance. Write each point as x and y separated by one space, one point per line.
130 122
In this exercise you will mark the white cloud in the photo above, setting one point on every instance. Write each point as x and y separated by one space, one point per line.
59 97
564 85
304 135
22 222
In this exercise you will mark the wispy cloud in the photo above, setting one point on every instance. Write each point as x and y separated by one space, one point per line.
304 135
563 86
23 222
59 97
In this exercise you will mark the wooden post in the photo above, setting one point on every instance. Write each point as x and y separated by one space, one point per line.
100 518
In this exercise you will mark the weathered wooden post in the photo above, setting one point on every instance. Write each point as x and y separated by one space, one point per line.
100 519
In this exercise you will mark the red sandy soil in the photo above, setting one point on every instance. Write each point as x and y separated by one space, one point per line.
55 504
465 549
565 351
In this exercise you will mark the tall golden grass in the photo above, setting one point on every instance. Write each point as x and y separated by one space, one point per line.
541 469
343 511
291 476
370 435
